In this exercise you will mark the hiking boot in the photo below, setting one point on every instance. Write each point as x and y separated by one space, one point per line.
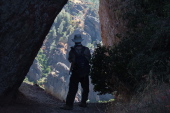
66 107
84 105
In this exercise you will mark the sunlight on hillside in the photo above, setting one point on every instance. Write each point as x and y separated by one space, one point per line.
82 1
76 1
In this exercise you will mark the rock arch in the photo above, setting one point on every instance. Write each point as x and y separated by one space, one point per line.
23 27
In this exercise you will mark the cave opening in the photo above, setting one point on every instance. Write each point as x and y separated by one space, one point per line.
50 69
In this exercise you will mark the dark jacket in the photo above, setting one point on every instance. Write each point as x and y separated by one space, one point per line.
71 57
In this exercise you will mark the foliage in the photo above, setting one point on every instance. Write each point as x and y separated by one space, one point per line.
42 81
62 27
27 81
111 100
42 59
142 56
90 46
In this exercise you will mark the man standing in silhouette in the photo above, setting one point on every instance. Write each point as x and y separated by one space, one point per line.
79 57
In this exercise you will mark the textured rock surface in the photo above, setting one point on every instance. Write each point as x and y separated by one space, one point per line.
92 27
57 81
111 19
35 72
23 27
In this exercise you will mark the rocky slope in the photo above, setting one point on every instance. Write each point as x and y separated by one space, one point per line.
24 25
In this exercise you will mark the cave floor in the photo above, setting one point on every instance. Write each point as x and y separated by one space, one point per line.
33 99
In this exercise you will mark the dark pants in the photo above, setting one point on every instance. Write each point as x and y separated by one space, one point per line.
73 87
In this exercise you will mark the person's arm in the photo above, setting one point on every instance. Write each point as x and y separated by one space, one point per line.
71 57
87 54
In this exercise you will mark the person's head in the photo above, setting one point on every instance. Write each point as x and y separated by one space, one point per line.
77 39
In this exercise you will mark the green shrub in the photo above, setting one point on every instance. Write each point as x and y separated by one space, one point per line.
43 61
142 56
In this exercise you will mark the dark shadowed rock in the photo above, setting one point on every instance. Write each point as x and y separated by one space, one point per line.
23 27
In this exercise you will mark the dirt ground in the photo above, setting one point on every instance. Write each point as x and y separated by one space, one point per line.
33 99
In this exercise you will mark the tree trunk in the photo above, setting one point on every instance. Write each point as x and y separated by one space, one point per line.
24 25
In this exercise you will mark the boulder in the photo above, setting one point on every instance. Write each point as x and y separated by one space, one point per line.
57 81
23 26
35 72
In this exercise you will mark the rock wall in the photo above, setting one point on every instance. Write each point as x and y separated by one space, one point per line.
23 27
112 22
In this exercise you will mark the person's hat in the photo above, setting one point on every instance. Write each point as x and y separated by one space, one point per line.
77 38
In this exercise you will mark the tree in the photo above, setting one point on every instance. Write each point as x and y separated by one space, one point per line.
61 27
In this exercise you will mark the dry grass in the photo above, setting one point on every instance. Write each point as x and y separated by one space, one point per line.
155 99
